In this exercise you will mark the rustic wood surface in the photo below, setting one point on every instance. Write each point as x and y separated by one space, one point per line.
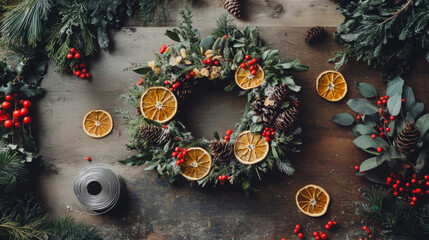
155 210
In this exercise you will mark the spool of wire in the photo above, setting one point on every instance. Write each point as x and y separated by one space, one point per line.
98 188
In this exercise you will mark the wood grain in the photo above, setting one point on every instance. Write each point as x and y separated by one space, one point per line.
155 210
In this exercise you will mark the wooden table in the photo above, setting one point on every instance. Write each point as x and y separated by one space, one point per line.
155 210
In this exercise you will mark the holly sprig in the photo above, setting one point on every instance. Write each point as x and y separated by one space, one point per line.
232 48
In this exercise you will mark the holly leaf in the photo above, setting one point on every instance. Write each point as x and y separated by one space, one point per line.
394 104
172 35
143 70
31 91
367 90
344 119
362 106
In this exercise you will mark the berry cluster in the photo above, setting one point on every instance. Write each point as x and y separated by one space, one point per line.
222 179
208 62
319 235
330 225
191 74
180 153
298 231
415 190
80 69
269 133
252 64
18 114
367 231
173 86
163 48
140 82
228 135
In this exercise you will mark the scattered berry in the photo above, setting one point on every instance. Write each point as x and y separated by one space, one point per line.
300 235
88 159
358 117
379 149
373 136
357 168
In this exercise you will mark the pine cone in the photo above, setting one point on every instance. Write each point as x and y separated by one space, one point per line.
154 134
222 151
314 35
266 113
185 87
286 119
280 93
407 139
233 7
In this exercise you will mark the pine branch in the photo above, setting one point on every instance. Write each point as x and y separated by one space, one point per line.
68 228
25 22
224 26
11 167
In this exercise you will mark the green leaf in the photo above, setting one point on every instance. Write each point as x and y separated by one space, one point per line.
256 127
395 86
422 161
159 170
366 143
245 184
31 91
143 70
269 54
344 119
368 164
361 129
391 155
207 42
362 106
408 95
172 35
423 125
394 104
298 67
238 57
417 109
151 167
367 90
238 45
138 159
152 122
285 65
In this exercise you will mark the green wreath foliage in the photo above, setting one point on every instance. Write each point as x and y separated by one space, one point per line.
232 44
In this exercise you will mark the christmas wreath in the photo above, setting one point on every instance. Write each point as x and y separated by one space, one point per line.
264 136
396 134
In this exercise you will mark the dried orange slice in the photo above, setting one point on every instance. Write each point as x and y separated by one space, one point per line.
158 104
245 80
312 200
97 123
197 164
331 85
250 148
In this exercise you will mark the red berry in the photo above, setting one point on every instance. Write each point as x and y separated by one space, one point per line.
209 61
243 65
220 178
225 36
88 158
247 57
267 128
77 73
317 237
76 67
388 179
334 222
412 203
401 189
72 50
327 226
17 125
174 86
226 137
82 65
82 76
296 231
77 55
229 132
386 122
179 156
171 89
357 168
413 180
388 129
365 228
418 190
381 98
379 149
381 134
386 97
69 56
16 114
6 105
24 111
178 162
27 120
379 103
88 75
392 117
395 193
204 61
315 234
21 101
8 123
8 98
84 70
166 82
252 68
373 136
254 60
174 154
403 100
216 63
414 199
426 177
253 72
330 223
384 101
381 129
323 236
298 227
267 139
358 117
188 76
192 73
300 235
177 149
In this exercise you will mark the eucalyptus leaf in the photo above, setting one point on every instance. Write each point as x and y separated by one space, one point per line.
367 90
368 164
408 95
344 119
417 109
362 106
172 35
207 42
423 125
422 161
394 104
238 58
298 67
366 143
395 86
361 129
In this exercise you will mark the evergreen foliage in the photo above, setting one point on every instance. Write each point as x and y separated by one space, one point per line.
387 35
